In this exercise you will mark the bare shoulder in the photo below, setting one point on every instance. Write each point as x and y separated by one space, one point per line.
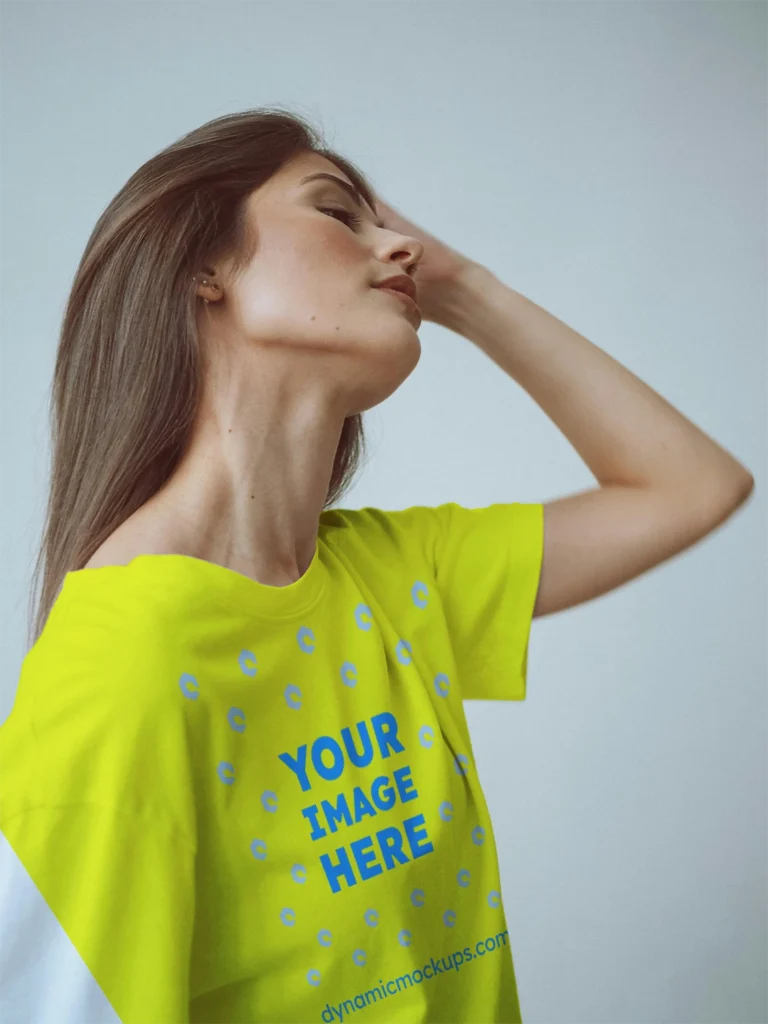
138 535
106 555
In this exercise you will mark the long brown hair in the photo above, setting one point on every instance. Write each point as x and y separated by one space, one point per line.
127 378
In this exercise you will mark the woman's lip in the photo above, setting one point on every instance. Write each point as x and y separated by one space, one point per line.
401 295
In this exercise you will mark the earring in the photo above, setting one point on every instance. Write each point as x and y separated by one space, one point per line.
206 281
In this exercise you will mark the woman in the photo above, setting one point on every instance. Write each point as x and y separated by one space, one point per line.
237 767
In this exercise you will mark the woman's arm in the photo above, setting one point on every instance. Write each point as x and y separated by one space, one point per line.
663 482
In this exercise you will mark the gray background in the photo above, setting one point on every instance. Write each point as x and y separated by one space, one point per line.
608 160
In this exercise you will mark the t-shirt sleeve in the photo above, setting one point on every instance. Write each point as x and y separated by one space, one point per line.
105 935
487 564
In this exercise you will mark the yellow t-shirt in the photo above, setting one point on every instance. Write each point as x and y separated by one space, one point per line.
255 803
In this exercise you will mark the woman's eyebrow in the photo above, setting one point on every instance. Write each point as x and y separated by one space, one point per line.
351 191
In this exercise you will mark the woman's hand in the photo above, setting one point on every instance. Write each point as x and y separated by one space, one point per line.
440 268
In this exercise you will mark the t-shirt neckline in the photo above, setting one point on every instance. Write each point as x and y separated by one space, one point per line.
212 581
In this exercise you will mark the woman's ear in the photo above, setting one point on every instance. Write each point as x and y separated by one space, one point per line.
207 289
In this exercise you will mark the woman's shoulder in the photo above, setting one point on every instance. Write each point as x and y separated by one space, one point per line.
141 534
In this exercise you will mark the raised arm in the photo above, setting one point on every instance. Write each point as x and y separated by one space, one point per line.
663 483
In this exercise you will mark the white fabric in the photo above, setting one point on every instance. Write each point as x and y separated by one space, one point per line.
43 979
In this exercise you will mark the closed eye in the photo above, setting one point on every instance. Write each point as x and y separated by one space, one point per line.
352 219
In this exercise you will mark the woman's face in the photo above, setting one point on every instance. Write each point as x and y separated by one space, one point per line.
307 298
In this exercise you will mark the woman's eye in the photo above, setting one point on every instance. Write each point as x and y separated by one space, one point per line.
349 218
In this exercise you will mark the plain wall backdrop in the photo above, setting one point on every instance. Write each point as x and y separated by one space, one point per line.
607 160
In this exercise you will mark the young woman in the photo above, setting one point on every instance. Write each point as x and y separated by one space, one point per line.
237 767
